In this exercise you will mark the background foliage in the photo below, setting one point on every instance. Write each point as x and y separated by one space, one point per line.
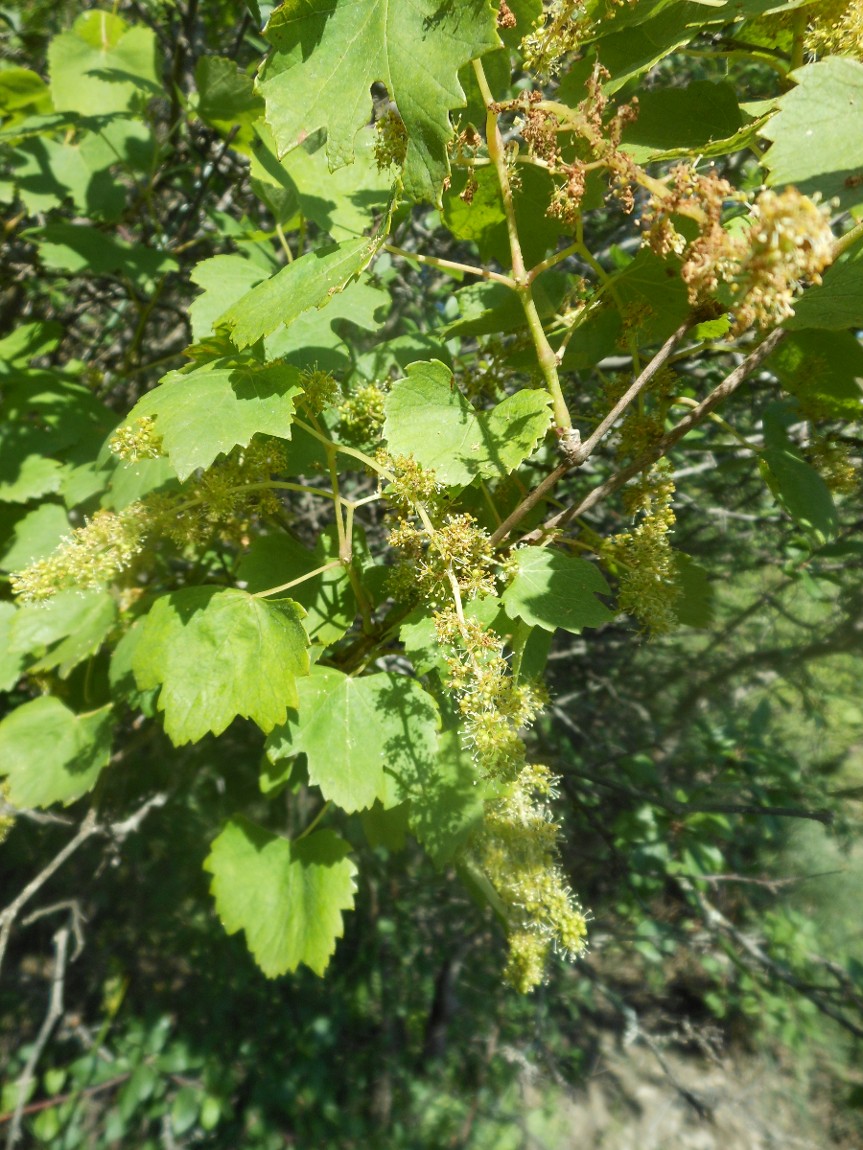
328 647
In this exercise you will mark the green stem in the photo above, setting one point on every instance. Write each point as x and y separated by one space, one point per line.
451 266
369 462
315 820
295 582
544 351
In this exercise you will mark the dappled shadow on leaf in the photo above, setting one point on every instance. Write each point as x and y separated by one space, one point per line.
445 794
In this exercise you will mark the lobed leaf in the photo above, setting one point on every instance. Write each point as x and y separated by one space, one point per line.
428 417
357 45
361 736
287 897
240 401
217 655
51 755
552 590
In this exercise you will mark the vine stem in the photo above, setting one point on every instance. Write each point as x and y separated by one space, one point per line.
544 351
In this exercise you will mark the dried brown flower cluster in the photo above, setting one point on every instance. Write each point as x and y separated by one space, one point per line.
764 258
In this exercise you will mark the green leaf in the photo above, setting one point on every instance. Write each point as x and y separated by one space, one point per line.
206 412
51 755
224 280
102 65
800 490
308 282
824 370
35 536
319 336
11 661
42 416
694 607
29 340
415 49
797 486
837 303
428 418
226 95
360 736
690 118
287 896
344 202
553 590
72 625
219 654
447 799
79 249
817 143
487 308
483 220
652 296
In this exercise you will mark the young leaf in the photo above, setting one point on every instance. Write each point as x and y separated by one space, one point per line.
553 590
220 654
381 42
287 896
209 411
429 418
51 755
361 736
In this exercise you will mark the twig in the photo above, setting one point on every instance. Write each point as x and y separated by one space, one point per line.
89 827
583 452
694 417
54 1013
578 453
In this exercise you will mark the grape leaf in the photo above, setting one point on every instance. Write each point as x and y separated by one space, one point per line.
219 654
428 417
102 64
817 142
553 590
796 485
414 48
287 896
689 117
308 282
342 203
446 799
78 248
824 369
35 536
837 303
51 755
239 401
72 625
224 280
360 736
